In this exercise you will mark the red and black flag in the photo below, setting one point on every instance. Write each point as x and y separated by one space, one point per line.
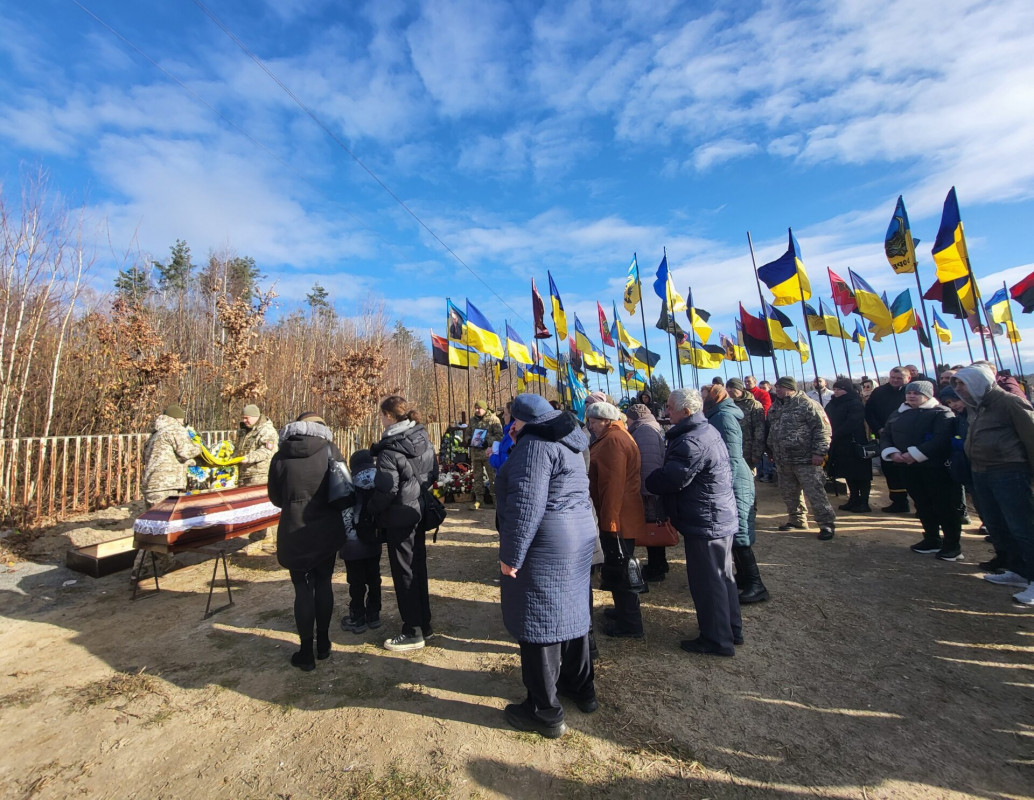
756 339
541 331
842 294
1023 293
440 350
947 295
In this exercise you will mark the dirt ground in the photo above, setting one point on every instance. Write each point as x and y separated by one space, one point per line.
872 673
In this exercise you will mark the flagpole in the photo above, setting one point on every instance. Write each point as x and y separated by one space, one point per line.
922 356
448 373
466 344
603 345
692 336
646 342
843 341
807 331
872 355
894 336
761 297
980 307
434 369
832 360
1015 345
965 333
940 350
926 321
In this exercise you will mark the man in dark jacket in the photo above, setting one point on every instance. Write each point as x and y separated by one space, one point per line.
883 402
696 485
1000 446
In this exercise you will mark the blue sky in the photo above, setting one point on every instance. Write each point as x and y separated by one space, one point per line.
532 136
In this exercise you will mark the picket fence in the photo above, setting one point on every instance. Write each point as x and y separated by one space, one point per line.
55 477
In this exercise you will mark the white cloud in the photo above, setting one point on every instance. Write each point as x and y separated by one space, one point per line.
713 153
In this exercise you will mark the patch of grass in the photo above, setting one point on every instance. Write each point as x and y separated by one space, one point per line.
160 718
21 698
121 686
401 783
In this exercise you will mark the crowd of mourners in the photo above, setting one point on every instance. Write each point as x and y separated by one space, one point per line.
573 498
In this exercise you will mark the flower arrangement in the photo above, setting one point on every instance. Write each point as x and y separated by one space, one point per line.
452 483
222 472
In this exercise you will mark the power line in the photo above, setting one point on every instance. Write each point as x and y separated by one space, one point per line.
326 129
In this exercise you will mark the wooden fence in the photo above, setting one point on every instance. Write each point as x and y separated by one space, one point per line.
58 476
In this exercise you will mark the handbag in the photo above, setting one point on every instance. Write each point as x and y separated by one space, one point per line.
658 534
339 483
867 451
622 573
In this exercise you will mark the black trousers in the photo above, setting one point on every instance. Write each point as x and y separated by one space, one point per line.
936 497
314 598
894 473
407 554
544 667
717 600
364 586
629 614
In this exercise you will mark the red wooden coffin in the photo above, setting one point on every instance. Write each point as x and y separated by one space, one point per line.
193 520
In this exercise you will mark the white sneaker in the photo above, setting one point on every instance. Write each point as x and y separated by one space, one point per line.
1026 597
1007 578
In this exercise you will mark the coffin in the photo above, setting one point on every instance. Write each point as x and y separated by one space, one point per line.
102 558
194 520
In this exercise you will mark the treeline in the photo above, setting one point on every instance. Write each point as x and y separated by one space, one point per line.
209 335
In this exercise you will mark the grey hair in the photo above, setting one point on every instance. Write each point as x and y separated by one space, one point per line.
688 399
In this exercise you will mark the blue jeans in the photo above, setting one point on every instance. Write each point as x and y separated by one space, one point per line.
766 469
1006 503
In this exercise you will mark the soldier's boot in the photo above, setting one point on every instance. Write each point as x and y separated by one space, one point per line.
754 590
898 502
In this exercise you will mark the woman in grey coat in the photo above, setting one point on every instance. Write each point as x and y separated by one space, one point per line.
546 541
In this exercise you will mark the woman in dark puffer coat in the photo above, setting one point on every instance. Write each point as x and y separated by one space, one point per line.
725 416
310 530
846 413
547 536
406 464
649 438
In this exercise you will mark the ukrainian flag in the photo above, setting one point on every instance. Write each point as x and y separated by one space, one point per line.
785 277
813 319
516 347
870 304
999 310
548 359
703 356
902 314
949 249
942 331
631 379
802 348
899 245
480 335
619 334
462 356
559 317
579 394
858 337
581 339
633 290
830 324
664 286
777 320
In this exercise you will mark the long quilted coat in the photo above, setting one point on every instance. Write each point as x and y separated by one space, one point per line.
696 481
725 416
546 531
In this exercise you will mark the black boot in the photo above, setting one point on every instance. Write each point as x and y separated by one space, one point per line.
852 501
755 591
898 504
862 506
739 570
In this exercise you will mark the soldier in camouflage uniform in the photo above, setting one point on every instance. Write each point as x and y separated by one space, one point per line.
488 421
257 441
167 454
798 439
753 423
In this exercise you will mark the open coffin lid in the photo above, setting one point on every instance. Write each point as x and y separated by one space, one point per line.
204 517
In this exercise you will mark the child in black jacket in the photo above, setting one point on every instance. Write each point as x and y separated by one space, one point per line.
362 549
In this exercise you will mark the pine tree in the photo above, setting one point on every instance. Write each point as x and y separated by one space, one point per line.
133 285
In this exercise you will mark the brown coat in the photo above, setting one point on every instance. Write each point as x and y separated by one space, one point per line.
614 469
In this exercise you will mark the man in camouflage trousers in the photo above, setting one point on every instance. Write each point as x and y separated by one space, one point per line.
798 439
488 421
257 441
167 454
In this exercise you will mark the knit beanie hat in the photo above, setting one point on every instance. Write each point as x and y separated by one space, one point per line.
924 388
480 404
175 411
528 407
844 383
602 410
251 410
595 397
735 383
638 411
787 383
310 416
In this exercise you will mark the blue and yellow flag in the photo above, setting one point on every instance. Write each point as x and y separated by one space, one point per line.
631 379
785 277
999 310
480 335
581 338
830 324
942 331
733 350
703 356
698 319
633 289
949 249
902 314
803 349
813 319
777 321
559 316
870 304
548 359
462 356
899 245
619 334
664 286
578 393
516 347
858 337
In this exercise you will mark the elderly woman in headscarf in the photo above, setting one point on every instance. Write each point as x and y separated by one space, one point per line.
614 485
846 412
725 416
546 542
649 438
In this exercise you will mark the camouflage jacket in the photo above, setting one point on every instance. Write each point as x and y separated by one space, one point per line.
753 427
257 445
490 422
798 430
167 454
